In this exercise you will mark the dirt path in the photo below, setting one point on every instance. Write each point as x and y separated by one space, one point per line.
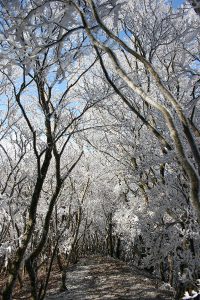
105 278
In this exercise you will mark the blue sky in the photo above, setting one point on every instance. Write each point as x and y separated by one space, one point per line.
177 3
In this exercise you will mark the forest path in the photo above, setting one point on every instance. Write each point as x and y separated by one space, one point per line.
106 278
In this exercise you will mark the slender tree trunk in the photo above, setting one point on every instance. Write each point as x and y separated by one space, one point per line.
16 263
31 261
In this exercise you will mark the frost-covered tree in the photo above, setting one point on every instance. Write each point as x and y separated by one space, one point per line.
120 80
50 114
196 5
